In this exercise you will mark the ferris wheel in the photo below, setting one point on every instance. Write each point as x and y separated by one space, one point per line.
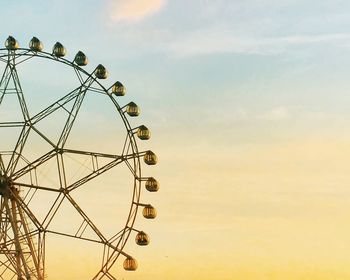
45 166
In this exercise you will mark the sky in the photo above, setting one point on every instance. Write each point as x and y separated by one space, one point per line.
248 103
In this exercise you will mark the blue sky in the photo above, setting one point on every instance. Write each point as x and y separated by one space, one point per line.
222 46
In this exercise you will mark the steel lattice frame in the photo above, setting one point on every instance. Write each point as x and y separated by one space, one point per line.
22 234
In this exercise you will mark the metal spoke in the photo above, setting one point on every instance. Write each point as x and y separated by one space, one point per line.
43 136
86 218
5 79
31 186
74 112
19 92
35 164
79 237
53 211
2 166
94 174
55 106
12 124
11 74
89 153
16 154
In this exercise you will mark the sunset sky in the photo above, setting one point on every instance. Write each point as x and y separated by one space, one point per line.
248 102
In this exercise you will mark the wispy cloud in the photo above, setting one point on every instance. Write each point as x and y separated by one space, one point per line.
220 41
135 10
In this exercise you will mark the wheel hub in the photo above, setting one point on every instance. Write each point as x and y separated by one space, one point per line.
5 185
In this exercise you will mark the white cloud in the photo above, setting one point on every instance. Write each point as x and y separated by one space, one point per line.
135 10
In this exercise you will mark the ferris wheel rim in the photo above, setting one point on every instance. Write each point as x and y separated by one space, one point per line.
126 231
